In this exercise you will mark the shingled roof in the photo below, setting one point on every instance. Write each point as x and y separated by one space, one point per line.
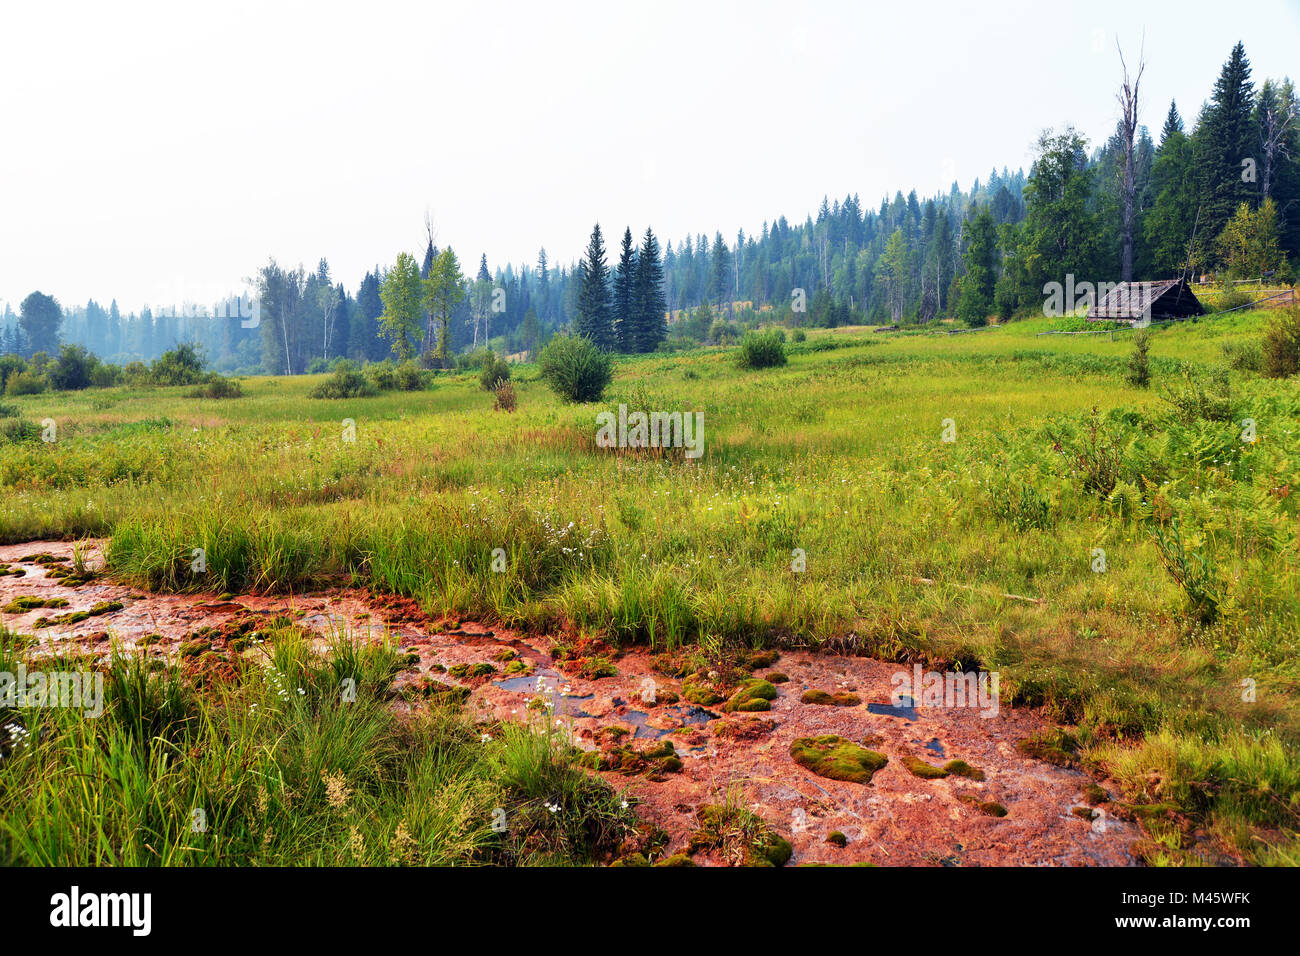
1131 301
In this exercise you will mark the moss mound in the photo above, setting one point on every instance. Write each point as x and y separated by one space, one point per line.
841 699
836 758
919 768
753 695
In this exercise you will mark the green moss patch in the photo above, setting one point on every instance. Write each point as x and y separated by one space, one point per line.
836 758
103 607
481 669
27 602
987 807
841 699
754 695
919 768
700 693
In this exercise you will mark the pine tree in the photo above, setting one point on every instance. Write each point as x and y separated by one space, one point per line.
1226 145
1173 124
594 318
720 270
624 313
649 304
977 285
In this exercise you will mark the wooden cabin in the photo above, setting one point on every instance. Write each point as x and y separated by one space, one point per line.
1130 302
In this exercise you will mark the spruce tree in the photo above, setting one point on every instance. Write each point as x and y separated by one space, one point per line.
649 303
1227 138
595 317
624 313
720 271
1173 124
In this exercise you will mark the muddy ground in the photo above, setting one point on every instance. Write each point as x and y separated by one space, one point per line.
897 818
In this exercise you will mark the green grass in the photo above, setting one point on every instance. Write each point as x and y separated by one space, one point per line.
838 454
278 766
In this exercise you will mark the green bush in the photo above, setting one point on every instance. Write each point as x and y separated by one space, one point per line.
381 376
182 365
409 376
575 369
762 350
1281 345
798 335
72 370
217 386
722 332
26 382
495 371
10 365
345 382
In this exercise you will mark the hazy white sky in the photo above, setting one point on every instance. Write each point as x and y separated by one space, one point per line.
160 153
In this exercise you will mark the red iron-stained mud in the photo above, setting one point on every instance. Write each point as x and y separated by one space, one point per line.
896 819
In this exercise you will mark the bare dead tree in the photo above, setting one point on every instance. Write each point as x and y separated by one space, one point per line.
1279 117
431 232
1128 101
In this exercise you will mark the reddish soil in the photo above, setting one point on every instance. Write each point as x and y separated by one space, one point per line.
896 819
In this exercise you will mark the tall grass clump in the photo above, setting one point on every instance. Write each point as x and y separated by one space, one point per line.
762 350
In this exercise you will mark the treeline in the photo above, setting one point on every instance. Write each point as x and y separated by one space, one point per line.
1221 198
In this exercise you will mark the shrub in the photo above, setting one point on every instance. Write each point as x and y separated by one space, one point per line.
183 365
345 382
1281 345
475 359
506 399
9 365
575 369
26 382
381 376
217 386
762 350
495 371
71 371
722 332
136 373
798 335
1139 367
409 376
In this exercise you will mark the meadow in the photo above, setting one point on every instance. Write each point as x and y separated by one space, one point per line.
1171 664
